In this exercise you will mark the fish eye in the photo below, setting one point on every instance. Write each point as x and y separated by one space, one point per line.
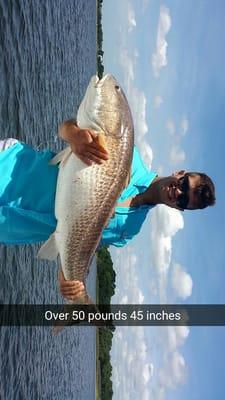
117 87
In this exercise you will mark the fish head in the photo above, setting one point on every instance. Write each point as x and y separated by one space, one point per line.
105 108
112 108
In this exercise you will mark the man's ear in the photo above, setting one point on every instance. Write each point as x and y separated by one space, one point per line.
179 174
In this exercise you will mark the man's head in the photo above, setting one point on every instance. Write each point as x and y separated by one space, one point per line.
187 190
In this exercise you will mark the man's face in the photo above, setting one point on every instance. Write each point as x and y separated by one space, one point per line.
179 190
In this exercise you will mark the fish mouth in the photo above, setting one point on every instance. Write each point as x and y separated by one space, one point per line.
103 79
100 82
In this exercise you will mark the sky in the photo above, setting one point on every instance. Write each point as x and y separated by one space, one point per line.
169 57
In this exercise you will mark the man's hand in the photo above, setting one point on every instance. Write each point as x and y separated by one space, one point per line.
71 290
83 142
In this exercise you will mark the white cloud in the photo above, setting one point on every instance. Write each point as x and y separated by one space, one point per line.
153 288
133 362
146 394
145 4
129 292
130 353
124 300
157 102
170 126
128 67
173 372
184 126
181 282
161 254
159 58
136 53
138 107
165 223
160 169
146 152
137 101
177 155
131 18
168 220
176 336
147 372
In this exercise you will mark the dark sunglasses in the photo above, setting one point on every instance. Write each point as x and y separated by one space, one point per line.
183 198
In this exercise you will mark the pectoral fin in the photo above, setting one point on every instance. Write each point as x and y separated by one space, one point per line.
61 157
127 181
49 250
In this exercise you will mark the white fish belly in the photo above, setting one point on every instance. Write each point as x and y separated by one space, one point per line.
71 204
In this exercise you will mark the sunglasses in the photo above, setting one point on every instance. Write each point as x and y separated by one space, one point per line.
183 198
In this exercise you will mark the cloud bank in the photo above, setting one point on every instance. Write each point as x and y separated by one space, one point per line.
131 18
138 102
177 155
159 58
166 222
181 282
157 102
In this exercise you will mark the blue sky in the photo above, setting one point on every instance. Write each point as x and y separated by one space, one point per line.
170 59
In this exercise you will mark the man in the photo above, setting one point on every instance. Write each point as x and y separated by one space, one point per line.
182 190
28 184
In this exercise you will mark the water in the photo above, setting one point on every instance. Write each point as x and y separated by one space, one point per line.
48 53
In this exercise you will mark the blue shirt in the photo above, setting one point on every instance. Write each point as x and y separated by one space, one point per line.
27 195
27 198
127 221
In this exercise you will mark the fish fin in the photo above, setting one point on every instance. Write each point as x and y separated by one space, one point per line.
84 300
49 249
111 215
127 181
61 156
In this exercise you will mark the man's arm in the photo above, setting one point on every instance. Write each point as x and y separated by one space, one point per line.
83 142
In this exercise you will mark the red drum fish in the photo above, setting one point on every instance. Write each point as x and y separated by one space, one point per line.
86 195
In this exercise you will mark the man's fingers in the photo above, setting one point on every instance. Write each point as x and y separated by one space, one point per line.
74 293
78 293
71 284
91 154
94 158
93 140
94 144
99 153
93 134
86 160
71 290
89 135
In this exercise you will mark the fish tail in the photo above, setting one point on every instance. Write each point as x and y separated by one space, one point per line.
83 300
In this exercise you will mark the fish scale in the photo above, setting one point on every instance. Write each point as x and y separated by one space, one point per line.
87 195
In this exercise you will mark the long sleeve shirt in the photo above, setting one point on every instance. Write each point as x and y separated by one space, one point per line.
27 197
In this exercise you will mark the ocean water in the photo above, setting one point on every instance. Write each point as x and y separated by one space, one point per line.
48 54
